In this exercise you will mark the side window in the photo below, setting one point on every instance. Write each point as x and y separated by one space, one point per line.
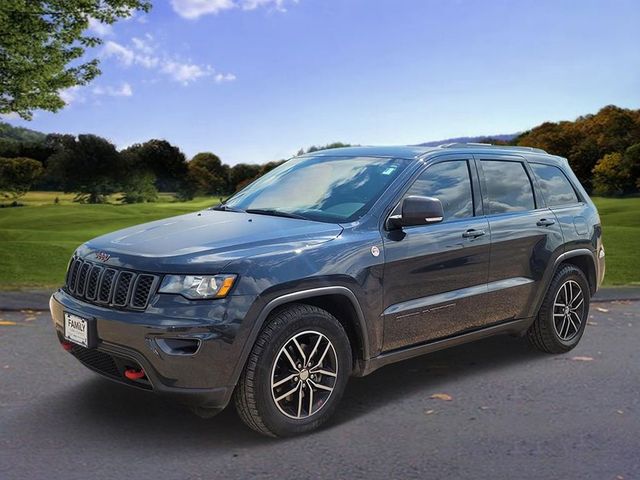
449 182
555 186
508 186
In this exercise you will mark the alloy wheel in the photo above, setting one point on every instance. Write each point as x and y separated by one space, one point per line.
304 374
568 310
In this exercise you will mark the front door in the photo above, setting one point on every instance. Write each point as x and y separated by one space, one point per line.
435 275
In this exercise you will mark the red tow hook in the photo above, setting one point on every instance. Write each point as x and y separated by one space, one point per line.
132 374
68 346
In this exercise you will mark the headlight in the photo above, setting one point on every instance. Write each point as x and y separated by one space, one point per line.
196 287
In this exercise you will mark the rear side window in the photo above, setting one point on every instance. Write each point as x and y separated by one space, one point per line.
450 183
555 186
508 187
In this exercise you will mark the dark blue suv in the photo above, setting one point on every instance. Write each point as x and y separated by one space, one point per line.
335 264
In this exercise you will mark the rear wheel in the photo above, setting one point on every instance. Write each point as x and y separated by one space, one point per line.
563 315
296 372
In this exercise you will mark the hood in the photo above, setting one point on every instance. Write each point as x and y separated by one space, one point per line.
209 237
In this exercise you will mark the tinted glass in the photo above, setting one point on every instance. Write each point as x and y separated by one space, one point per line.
508 186
331 189
554 185
451 184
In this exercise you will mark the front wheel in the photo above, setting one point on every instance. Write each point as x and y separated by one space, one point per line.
563 315
296 372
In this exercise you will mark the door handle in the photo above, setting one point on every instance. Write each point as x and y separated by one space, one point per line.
545 223
471 233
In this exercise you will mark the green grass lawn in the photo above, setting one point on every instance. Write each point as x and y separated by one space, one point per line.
621 235
37 240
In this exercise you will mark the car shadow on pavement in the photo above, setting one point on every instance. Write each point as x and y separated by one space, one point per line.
432 373
98 410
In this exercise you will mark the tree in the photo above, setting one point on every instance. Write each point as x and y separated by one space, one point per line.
611 175
586 141
165 161
20 134
88 165
139 188
267 167
17 175
42 48
313 148
241 174
209 173
632 159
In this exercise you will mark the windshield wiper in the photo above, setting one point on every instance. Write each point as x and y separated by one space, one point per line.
275 213
223 207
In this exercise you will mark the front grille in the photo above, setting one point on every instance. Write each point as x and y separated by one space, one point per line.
92 283
118 288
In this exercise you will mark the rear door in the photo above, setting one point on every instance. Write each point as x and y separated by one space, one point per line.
435 275
573 214
525 236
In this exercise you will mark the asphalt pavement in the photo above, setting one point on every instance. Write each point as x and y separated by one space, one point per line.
501 410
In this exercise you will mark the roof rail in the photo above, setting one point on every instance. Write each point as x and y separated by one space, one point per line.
489 145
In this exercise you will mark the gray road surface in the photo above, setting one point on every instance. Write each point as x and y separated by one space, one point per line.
514 413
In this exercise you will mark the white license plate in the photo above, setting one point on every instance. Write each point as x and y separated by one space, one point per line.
76 329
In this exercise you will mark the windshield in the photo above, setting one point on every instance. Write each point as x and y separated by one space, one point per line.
328 189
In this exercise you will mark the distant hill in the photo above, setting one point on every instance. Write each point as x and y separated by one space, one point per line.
505 137
19 134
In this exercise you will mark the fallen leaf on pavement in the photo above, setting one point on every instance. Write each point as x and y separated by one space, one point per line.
7 323
442 396
582 359
603 310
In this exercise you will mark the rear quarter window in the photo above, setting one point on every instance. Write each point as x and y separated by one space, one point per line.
554 185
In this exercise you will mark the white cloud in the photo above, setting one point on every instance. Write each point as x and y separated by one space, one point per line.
253 4
185 73
143 53
123 90
143 44
196 8
102 29
224 77
122 53
10 116
71 95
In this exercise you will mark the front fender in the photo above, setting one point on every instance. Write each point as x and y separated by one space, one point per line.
363 329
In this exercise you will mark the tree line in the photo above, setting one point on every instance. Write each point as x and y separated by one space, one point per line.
603 149
94 169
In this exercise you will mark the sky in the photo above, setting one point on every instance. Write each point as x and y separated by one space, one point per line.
255 80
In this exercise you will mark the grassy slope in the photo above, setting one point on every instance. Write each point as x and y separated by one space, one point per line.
36 241
621 235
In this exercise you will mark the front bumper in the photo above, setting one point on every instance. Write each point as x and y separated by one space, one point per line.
204 375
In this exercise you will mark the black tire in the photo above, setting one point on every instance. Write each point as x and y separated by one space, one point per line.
547 333
254 397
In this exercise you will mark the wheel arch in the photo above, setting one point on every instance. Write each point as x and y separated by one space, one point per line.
340 301
585 261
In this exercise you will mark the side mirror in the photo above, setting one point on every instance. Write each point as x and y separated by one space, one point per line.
417 210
